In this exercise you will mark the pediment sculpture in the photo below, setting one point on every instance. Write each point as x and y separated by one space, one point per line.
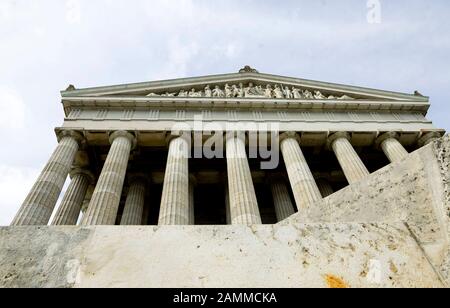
276 91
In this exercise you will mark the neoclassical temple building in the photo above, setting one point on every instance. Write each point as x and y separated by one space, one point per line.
356 194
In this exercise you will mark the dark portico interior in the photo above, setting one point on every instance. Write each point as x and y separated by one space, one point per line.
211 179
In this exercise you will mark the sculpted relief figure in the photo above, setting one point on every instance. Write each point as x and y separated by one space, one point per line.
241 90
193 93
208 92
268 91
319 95
256 91
308 95
183 93
259 91
250 90
217 92
296 93
234 91
228 91
288 93
278 93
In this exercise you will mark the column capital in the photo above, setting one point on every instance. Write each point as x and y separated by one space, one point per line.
76 171
427 138
81 160
126 134
78 136
289 135
384 137
184 135
332 138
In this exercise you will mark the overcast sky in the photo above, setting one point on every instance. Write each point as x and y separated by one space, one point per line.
47 44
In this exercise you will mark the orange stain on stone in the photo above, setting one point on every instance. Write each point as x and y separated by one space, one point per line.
334 282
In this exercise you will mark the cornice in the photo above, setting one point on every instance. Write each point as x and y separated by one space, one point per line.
238 77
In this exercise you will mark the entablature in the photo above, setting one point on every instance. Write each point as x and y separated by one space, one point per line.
309 137
71 103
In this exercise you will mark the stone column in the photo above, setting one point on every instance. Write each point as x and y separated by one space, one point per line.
303 185
428 138
105 201
134 205
390 145
192 184
243 204
87 200
281 199
41 200
325 187
174 208
70 208
349 160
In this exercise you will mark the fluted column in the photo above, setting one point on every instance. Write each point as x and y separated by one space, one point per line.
325 188
192 184
174 208
390 145
105 201
87 200
428 138
70 208
134 204
354 169
243 203
41 200
281 199
303 185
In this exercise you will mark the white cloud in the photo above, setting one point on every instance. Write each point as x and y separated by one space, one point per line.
39 31
231 50
5 9
180 56
12 109
73 11
15 183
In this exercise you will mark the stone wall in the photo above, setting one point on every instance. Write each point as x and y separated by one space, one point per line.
302 255
390 230
414 191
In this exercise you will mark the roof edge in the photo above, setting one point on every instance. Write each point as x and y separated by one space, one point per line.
72 91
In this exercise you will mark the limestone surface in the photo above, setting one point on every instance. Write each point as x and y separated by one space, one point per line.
295 255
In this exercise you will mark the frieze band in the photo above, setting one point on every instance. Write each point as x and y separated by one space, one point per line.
277 91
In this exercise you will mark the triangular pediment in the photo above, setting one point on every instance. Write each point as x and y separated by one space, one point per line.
243 85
